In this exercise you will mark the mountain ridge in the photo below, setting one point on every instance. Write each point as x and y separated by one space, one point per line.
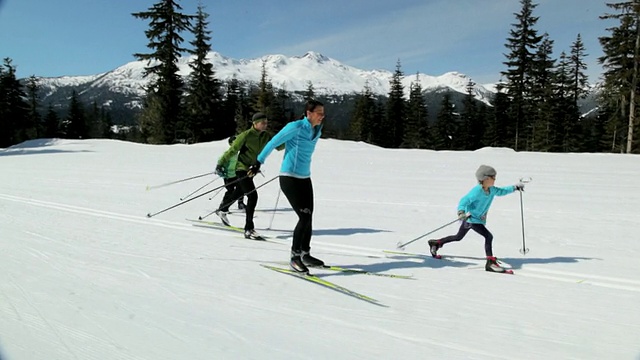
327 75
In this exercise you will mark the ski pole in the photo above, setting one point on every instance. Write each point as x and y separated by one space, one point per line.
216 194
524 249
401 246
231 202
177 181
200 188
193 198
274 209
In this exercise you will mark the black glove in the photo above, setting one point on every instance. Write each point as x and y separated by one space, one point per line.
254 169
220 170
519 186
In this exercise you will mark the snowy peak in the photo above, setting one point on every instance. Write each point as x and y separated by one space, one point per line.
327 75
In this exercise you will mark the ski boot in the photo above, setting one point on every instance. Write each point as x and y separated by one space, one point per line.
434 245
296 263
311 261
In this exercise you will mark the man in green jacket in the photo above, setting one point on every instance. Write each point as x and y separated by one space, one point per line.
247 146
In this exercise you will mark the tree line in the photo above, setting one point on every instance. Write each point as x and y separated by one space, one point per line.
535 107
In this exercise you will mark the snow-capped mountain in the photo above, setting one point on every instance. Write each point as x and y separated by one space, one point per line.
327 75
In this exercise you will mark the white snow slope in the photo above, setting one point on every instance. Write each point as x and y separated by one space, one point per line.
86 275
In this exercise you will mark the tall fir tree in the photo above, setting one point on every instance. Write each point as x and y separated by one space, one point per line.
51 125
620 61
163 103
310 93
542 95
234 120
203 100
445 129
364 116
14 110
416 127
473 119
33 125
396 111
75 124
522 44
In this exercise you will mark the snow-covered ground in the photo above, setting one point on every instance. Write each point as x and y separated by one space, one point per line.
86 275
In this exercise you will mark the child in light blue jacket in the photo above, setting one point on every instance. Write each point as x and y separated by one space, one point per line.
472 211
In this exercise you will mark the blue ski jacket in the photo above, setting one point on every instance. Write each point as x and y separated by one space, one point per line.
477 202
300 140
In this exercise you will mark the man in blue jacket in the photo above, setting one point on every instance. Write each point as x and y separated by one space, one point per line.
300 138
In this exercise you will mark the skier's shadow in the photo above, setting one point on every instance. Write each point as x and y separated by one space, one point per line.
335 232
403 262
518 262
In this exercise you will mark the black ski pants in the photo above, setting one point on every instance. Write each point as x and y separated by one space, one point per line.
464 229
299 192
232 194
248 188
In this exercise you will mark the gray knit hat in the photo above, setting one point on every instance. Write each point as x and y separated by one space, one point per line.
257 117
484 172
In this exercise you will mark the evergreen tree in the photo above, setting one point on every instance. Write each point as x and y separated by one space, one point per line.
33 124
416 128
542 95
278 110
445 127
396 112
473 128
620 61
51 124
564 109
234 120
203 100
499 133
75 124
363 118
163 105
522 43
309 94
14 110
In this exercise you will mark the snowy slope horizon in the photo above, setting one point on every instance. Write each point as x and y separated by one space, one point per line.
86 275
328 76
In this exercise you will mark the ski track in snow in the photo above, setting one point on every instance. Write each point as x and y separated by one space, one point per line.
532 272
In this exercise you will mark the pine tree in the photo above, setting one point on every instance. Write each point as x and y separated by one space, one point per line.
163 105
522 43
396 112
75 124
14 110
203 100
51 124
309 94
542 95
416 127
363 118
234 120
498 133
33 125
473 128
445 129
620 61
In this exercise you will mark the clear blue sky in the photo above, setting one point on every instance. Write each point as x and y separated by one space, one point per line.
83 37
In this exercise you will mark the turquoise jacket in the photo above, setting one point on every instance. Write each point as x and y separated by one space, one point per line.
477 202
300 140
